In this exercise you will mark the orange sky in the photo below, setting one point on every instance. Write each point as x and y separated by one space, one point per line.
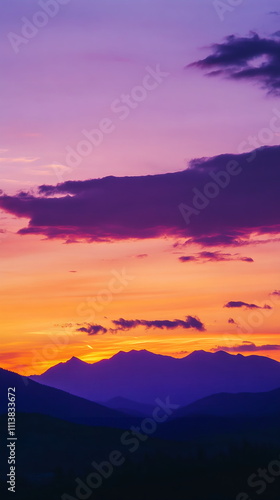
43 303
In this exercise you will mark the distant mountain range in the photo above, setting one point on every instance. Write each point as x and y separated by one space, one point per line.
142 377
203 384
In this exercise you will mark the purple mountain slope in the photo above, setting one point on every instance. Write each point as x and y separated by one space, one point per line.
143 376
32 397
128 406
245 404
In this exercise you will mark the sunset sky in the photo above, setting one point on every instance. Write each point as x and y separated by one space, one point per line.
76 257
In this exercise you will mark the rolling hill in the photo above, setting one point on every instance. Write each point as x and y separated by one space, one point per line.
32 397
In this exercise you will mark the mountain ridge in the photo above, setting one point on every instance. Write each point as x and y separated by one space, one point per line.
197 354
142 376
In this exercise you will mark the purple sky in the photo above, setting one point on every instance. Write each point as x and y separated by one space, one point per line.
65 79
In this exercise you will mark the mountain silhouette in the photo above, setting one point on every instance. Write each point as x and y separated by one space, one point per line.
142 376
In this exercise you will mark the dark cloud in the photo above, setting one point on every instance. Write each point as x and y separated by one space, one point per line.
92 329
142 256
226 240
187 258
215 257
276 293
126 325
247 347
231 321
190 322
239 304
246 58
222 240
118 208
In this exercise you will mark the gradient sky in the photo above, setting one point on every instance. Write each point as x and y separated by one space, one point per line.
65 79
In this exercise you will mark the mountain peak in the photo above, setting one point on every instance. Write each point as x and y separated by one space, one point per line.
225 354
200 354
74 359
134 353
71 364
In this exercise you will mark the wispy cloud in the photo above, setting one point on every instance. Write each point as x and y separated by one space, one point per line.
238 304
125 325
20 159
214 257
247 347
249 58
231 321
190 322
92 329
50 170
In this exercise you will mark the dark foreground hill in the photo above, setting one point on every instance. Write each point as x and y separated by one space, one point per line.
32 397
261 404
52 455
